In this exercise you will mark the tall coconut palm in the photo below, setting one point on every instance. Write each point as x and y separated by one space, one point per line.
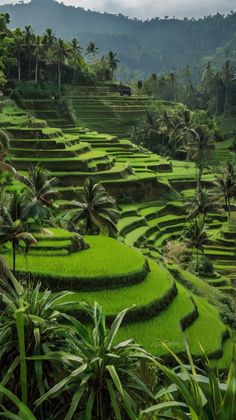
49 38
199 147
202 203
76 49
29 40
18 47
41 186
196 234
61 53
38 49
75 52
92 50
112 62
154 84
95 209
227 77
173 81
40 191
103 372
208 79
175 129
164 123
13 224
227 184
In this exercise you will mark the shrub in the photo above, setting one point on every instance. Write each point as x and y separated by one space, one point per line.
206 267
177 251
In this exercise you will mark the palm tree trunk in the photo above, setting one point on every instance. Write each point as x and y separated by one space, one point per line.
36 69
59 76
197 267
226 97
29 70
216 110
228 207
19 67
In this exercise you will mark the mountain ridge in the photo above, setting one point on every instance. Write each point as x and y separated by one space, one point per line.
156 45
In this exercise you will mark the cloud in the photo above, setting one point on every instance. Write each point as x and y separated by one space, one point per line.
151 8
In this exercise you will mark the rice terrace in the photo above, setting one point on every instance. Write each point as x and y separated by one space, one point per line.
117 214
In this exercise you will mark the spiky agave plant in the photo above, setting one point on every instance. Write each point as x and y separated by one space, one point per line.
103 373
31 324
202 392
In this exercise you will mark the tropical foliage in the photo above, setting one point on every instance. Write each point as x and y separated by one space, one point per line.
95 209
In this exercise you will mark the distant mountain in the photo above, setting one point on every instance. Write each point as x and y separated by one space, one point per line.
158 45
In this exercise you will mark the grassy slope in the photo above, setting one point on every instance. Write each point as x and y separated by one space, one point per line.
106 257
156 284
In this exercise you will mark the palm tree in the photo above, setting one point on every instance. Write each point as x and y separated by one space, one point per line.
75 52
112 62
164 123
152 127
61 53
38 48
202 203
91 50
175 129
173 80
40 186
196 234
208 79
29 40
4 144
13 224
227 77
103 373
227 184
199 146
154 83
49 38
18 46
95 209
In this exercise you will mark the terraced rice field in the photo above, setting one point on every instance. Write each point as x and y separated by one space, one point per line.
167 302
163 308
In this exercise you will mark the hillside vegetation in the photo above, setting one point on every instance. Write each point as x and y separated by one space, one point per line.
158 45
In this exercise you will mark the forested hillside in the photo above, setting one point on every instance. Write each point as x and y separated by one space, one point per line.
158 45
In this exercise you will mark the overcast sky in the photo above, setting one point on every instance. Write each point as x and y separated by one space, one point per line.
150 8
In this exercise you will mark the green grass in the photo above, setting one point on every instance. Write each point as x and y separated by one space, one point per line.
202 287
165 328
225 360
207 330
106 257
155 285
